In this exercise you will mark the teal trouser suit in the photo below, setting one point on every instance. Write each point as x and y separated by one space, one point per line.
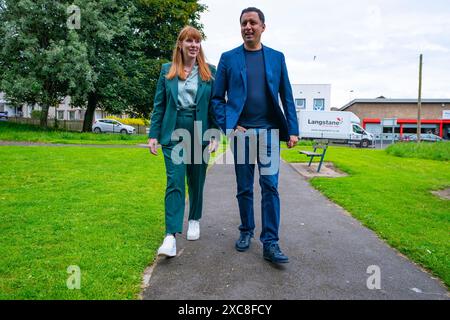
176 179
165 119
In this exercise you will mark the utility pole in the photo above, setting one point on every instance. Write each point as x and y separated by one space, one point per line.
419 101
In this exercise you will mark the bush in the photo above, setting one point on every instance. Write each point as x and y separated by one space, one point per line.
131 121
36 114
423 150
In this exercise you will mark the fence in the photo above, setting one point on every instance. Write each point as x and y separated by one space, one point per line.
68 125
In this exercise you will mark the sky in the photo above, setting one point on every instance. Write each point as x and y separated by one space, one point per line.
364 49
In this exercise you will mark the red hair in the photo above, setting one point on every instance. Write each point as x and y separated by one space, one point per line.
176 68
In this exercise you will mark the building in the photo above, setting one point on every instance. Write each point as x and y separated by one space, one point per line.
3 104
13 111
22 111
64 111
312 97
435 115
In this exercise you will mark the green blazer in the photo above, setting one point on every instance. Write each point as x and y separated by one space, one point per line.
164 114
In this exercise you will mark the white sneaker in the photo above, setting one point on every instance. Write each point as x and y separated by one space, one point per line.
169 247
193 232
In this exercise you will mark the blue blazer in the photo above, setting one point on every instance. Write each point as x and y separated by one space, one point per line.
231 82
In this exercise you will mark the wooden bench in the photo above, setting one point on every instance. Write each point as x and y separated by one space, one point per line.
318 145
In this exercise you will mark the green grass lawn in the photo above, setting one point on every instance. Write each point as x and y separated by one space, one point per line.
391 195
30 133
99 209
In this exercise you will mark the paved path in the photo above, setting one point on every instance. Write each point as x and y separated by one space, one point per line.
41 144
329 251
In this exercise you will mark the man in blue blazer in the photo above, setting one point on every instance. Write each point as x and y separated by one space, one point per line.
248 82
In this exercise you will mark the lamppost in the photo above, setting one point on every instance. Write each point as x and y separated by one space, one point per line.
419 100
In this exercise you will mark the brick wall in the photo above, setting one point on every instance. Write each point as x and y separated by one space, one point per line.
398 110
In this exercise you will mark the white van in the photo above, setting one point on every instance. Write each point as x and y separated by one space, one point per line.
336 126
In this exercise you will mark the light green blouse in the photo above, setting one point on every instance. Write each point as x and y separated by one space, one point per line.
187 90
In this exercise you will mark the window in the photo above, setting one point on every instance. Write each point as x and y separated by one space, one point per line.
300 103
71 115
2 107
358 129
319 104
60 115
389 130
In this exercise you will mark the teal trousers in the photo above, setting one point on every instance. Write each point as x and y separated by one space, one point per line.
180 173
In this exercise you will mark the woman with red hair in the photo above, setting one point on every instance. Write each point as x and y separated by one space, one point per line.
182 101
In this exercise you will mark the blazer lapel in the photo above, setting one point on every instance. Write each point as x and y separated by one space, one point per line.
242 66
173 85
269 73
200 89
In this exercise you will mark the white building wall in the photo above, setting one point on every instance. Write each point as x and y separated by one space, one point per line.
65 111
310 92
4 105
13 111
3 102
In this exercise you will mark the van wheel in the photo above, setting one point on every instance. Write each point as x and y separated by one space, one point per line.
364 144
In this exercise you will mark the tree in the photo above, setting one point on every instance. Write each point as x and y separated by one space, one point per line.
41 59
112 61
156 25
127 67
103 25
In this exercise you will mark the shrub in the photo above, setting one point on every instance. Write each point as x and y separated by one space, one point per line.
423 150
131 121
36 114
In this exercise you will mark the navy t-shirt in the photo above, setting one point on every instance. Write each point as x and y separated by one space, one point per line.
258 111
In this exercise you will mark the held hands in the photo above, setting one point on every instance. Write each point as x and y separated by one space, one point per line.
153 144
292 141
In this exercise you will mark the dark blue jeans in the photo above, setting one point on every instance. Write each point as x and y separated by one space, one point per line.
262 147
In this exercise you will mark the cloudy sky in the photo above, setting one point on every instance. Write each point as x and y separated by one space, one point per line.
369 47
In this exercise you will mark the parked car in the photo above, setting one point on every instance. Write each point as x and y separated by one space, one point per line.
4 115
112 126
430 137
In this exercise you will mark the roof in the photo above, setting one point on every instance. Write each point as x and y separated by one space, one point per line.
393 101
